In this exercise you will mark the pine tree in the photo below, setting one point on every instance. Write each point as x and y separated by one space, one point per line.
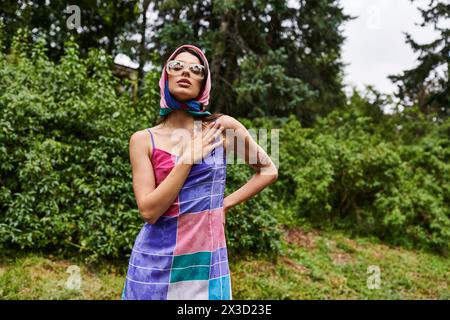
266 57
427 85
102 23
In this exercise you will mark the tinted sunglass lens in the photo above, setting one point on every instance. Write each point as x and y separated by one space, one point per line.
175 67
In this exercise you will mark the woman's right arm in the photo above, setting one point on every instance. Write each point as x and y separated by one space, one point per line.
153 201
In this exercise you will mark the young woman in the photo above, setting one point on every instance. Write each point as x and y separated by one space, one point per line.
180 252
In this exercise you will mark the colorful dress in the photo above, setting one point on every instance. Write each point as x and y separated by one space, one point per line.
184 254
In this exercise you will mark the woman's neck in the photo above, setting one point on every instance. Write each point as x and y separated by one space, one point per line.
178 119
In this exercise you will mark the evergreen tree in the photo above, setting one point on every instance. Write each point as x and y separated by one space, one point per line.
427 85
266 57
102 23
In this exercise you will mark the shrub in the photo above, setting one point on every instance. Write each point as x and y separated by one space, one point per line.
345 174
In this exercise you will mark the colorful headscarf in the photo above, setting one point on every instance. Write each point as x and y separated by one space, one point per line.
168 103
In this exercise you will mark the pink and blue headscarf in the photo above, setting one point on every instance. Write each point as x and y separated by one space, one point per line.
168 103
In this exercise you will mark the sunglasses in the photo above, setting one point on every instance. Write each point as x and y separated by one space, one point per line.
175 67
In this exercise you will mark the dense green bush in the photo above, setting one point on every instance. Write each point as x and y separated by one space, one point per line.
345 173
64 149
65 175
251 225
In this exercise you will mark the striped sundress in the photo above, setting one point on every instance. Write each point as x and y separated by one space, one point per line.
184 254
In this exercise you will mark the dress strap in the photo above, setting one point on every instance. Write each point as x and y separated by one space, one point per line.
151 136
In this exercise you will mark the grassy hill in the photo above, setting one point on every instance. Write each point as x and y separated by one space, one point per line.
315 265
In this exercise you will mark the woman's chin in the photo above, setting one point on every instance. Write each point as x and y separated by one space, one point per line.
183 97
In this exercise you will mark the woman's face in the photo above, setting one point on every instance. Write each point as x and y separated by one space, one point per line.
183 91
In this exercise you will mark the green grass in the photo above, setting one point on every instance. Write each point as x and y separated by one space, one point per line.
331 266
315 265
38 276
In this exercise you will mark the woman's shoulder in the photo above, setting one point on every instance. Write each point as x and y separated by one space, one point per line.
140 142
229 122
140 134
141 137
144 133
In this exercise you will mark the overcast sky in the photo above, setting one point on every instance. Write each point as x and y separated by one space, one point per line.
375 46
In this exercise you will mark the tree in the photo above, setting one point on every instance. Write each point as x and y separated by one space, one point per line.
266 57
318 58
103 23
427 84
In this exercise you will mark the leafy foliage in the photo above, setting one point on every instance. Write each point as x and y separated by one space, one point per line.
65 174
103 24
346 174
